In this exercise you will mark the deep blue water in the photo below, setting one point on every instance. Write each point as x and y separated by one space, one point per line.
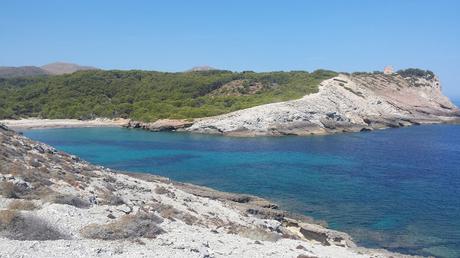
397 188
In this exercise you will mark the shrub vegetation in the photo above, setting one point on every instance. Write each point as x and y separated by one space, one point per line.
415 72
147 96
14 225
127 227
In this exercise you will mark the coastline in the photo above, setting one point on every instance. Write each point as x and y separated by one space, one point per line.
181 125
249 225
172 125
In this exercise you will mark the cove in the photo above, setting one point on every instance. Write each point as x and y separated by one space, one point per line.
397 189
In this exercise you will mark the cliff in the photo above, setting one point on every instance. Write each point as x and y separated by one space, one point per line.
53 204
345 103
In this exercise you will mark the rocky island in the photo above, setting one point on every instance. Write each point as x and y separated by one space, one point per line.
54 204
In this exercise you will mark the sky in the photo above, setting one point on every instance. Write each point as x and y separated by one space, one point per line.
257 35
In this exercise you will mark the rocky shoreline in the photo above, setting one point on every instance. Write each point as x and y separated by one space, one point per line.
56 205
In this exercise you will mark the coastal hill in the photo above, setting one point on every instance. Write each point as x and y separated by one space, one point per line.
49 69
53 204
148 96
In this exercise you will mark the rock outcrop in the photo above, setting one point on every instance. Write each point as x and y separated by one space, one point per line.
161 125
53 204
346 103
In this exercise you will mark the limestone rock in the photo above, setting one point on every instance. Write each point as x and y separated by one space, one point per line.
161 125
343 104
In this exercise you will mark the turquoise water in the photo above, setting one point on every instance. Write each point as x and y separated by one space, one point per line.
397 188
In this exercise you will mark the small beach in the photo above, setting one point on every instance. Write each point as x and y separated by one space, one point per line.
37 123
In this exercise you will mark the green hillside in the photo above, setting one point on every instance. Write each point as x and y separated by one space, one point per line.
148 96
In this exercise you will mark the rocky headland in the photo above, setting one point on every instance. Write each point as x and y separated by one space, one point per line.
345 103
53 204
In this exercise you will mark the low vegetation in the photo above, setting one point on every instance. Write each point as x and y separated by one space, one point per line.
130 226
18 226
148 96
414 72
9 190
171 213
22 205
409 72
69 200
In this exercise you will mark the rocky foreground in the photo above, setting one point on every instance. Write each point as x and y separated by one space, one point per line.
346 103
55 205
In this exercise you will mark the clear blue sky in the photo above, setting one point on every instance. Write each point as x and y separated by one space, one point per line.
346 35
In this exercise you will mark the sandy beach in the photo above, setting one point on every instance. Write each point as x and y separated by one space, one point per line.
37 123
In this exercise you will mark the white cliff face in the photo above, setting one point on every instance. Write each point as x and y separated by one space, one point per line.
343 104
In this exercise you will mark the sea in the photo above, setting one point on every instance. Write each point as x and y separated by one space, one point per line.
397 189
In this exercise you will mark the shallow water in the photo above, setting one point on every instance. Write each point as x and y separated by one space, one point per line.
397 188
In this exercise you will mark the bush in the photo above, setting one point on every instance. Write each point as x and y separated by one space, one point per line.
108 198
22 205
7 190
127 227
7 216
162 190
69 200
171 213
12 190
14 225
414 72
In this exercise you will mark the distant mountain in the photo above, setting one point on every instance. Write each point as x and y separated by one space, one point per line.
64 68
201 68
49 69
22 71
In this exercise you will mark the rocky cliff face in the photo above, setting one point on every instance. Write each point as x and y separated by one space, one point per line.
53 204
346 103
